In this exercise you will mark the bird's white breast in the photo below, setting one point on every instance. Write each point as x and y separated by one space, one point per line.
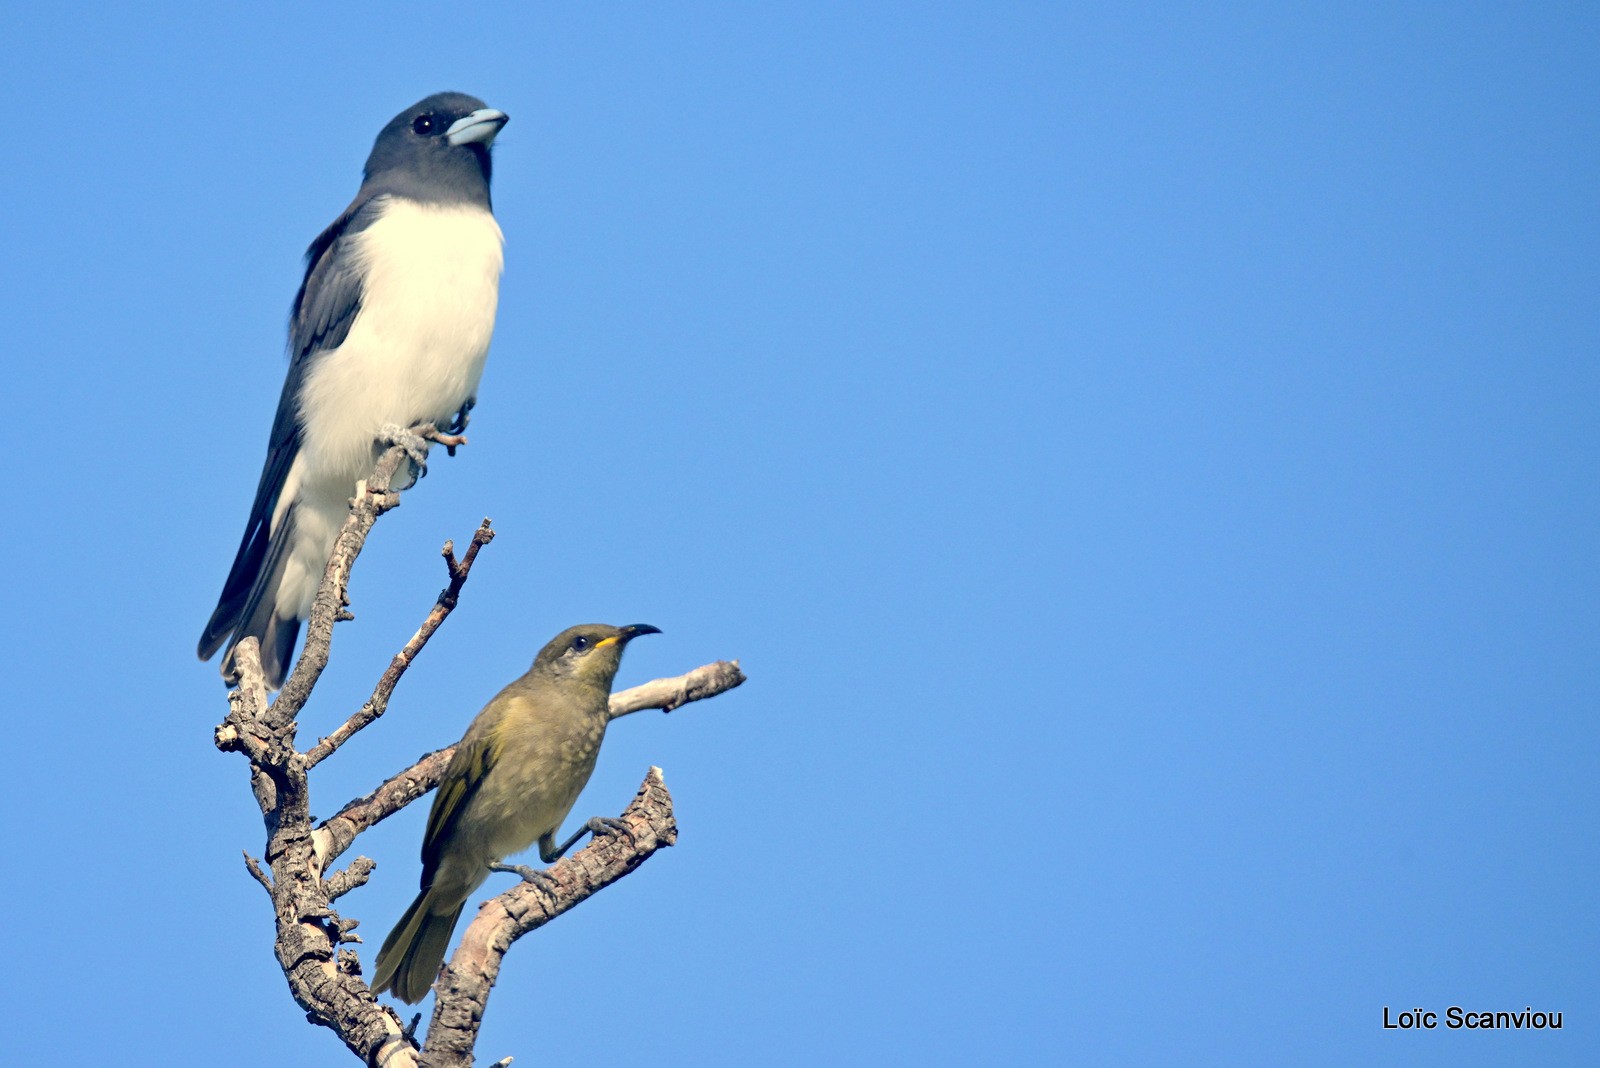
415 352
431 281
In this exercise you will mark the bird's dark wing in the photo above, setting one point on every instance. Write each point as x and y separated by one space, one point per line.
461 781
330 293
326 305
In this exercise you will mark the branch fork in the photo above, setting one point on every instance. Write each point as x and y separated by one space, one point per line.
324 978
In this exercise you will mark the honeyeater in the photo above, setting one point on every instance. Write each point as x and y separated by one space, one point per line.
513 779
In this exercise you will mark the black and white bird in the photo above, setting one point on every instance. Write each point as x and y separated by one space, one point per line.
390 328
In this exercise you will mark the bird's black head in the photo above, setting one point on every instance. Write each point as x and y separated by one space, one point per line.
436 150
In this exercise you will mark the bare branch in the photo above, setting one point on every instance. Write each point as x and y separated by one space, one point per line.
324 977
668 694
334 835
464 984
254 867
243 729
342 882
378 703
373 497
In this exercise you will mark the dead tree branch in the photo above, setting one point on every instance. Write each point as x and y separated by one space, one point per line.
335 833
373 498
668 694
464 985
324 978
378 703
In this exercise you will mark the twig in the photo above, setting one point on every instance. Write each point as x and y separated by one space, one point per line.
342 882
668 694
244 730
334 835
378 703
254 867
373 498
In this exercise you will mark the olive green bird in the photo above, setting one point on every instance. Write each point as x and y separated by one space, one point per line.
513 779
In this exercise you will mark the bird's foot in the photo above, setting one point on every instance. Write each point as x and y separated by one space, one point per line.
538 877
416 445
464 416
604 826
450 441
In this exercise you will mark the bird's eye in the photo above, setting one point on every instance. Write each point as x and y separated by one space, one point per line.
422 125
579 644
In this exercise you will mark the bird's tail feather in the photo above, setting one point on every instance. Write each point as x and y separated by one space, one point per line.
248 605
411 955
236 591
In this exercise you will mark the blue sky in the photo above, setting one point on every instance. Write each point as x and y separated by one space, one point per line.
1146 461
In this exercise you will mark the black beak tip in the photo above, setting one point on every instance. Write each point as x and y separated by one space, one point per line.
633 630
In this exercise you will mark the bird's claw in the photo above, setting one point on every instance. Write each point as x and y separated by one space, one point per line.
449 441
538 877
602 826
416 445
464 416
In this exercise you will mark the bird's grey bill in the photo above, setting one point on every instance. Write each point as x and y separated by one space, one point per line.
633 630
480 126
